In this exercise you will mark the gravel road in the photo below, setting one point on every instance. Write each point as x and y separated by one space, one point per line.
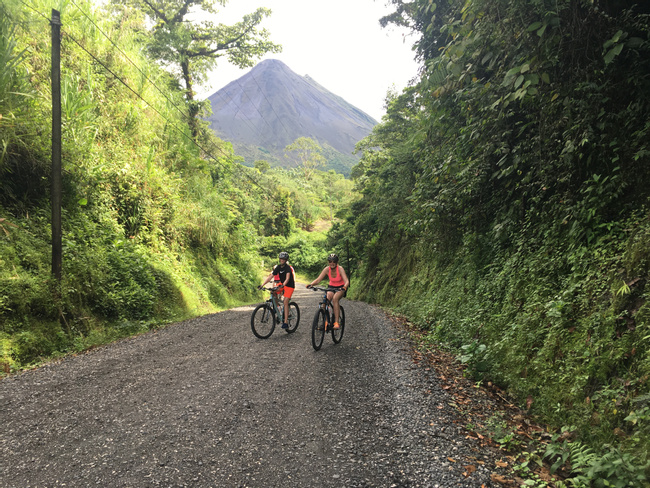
203 403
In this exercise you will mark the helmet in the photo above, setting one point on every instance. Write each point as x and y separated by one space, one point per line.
283 255
333 258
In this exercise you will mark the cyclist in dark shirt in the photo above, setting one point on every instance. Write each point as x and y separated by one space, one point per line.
284 276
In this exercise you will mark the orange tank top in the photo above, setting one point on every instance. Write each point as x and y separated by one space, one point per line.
337 280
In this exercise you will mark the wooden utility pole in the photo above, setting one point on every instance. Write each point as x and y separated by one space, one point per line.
56 145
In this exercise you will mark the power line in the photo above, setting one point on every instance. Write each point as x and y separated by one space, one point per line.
129 60
155 86
173 125
270 105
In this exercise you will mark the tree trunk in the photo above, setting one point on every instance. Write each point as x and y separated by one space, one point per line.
192 106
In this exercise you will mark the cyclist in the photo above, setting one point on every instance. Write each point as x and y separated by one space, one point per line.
337 278
284 276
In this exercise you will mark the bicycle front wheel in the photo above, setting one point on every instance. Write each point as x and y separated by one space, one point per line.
318 329
263 321
337 334
294 317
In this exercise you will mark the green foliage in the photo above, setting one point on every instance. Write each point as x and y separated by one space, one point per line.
506 195
613 468
307 251
22 162
156 228
153 228
307 154
181 35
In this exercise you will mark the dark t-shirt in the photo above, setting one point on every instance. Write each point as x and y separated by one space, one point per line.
282 271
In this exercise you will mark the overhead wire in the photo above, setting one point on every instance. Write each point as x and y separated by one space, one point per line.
248 121
270 105
129 59
172 124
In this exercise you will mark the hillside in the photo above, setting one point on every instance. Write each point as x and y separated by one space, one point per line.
506 197
271 106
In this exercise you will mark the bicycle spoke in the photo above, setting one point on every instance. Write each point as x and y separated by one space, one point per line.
263 321
318 330
294 317
337 334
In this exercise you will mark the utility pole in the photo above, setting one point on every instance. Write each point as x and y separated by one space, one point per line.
56 145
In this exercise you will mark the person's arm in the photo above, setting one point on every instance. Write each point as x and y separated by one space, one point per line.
320 277
346 282
268 278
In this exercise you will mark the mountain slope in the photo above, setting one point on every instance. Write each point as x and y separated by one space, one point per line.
271 106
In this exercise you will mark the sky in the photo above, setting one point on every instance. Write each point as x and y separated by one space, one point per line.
338 43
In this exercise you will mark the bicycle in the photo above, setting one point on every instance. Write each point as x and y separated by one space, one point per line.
269 313
324 320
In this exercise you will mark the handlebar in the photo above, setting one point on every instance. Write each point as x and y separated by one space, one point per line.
274 288
334 289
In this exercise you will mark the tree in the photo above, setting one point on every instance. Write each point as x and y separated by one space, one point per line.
307 152
262 166
193 47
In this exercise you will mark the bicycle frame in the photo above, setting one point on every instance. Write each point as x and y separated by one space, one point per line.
329 307
324 317
276 302
271 312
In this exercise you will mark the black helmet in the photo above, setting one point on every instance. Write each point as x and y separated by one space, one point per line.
333 258
283 255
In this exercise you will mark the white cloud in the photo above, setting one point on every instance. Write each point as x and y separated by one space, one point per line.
339 43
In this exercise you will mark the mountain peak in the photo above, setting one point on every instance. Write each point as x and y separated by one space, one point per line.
271 106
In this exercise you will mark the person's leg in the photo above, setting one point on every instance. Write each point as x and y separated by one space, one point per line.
337 308
286 309
330 297
288 293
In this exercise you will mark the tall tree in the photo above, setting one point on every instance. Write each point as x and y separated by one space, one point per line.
307 153
194 46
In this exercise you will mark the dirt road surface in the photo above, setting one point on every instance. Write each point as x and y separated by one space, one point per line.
203 403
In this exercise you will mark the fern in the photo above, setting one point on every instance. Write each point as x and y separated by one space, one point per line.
590 469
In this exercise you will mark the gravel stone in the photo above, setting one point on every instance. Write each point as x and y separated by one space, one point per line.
203 403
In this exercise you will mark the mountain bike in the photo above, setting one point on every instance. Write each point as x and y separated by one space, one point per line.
324 320
271 312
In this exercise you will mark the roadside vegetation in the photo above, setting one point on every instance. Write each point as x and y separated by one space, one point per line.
505 212
160 221
501 208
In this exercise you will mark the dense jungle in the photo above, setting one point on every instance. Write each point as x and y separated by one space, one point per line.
502 205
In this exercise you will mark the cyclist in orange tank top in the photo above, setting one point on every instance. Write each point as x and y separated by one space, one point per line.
284 276
337 278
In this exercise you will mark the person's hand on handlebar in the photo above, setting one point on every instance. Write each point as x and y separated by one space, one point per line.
310 286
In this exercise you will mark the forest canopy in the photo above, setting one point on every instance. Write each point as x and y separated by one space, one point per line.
506 196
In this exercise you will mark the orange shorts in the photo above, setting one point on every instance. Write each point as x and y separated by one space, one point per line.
286 291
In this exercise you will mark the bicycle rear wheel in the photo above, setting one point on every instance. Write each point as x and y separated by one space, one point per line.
318 329
263 321
337 334
294 317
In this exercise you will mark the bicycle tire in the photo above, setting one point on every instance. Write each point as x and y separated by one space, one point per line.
318 329
337 334
263 321
294 317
